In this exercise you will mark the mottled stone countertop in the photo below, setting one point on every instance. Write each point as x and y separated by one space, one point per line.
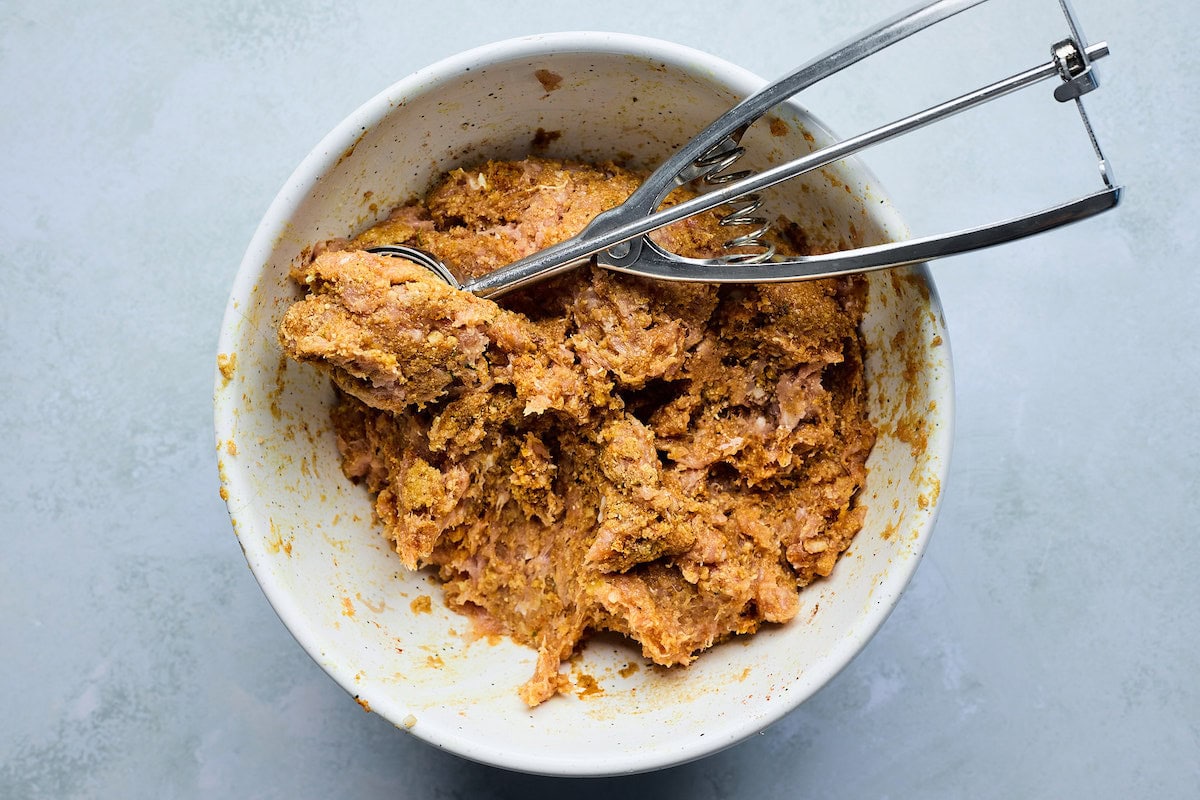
1048 645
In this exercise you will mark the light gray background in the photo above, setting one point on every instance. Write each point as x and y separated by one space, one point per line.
1046 648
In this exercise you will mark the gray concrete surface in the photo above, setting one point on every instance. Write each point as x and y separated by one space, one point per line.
1048 645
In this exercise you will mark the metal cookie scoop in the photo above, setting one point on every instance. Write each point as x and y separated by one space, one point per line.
618 238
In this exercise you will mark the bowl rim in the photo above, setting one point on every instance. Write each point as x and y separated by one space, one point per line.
285 204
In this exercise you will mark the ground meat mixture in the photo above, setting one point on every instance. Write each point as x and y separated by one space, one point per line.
598 452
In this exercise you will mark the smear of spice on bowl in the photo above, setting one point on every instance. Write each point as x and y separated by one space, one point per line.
599 452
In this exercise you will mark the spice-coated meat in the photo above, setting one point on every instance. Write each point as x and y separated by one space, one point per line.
599 452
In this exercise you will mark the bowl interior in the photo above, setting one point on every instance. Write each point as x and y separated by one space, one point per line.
308 533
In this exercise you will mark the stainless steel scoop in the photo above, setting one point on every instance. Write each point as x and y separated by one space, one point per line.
618 239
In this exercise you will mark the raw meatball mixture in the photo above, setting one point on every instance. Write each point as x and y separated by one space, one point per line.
598 452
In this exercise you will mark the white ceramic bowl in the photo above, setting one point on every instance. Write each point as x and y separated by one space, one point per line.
307 532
